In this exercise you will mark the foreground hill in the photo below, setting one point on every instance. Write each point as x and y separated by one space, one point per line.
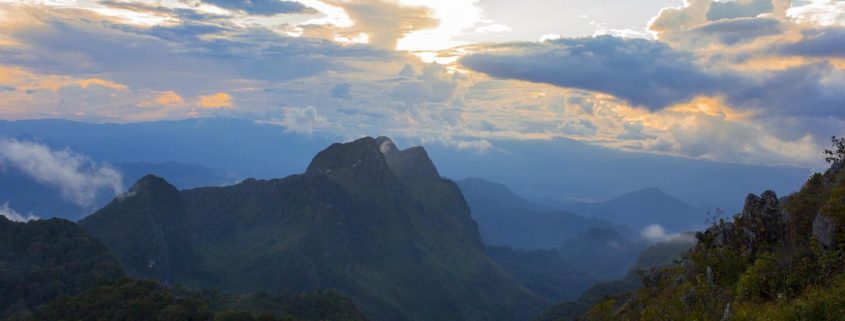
373 221
128 299
42 260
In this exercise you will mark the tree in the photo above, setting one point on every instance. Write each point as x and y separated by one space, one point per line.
836 155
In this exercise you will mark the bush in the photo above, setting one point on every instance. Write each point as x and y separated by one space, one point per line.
760 281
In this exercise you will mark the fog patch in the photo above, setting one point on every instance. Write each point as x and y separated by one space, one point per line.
655 233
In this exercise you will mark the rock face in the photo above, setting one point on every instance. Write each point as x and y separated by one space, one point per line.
373 221
824 228
762 224
764 219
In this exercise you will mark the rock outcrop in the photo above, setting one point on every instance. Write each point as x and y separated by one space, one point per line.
824 229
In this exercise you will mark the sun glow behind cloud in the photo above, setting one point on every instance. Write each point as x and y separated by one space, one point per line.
456 18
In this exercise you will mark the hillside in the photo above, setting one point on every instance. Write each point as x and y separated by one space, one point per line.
655 256
42 260
373 221
779 259
128 299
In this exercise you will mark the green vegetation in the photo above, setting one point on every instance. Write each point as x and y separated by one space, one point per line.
41 260
141 300
837 154
658 255
542 271
780 259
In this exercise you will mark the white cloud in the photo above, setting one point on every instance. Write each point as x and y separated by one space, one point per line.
479 145
79 178
654 233
10 214
822 12
300 120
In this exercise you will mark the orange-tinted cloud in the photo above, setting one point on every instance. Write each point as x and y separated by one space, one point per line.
164 99
216 101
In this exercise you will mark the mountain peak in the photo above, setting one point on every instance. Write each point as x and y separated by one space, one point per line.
150 186
358 161
386 145
412 163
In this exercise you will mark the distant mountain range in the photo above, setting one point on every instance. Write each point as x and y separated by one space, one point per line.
506 219
374 221
642 208
559 169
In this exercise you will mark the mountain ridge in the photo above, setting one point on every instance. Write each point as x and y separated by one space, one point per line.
399 244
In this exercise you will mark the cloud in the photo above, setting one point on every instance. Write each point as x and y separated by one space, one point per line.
655 233
10 214
169 99
819 12
479 145
643 72
300 120
738 9
79 179
819 43
432 84
734 31
215 101
383 21
262 7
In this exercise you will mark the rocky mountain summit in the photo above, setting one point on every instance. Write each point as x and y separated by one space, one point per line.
376 222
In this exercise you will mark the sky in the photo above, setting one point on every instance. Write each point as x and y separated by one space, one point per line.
747 81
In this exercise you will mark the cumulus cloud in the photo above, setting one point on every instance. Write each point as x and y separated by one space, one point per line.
10 214
78 178
384 22
300 120
432 84
821 12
